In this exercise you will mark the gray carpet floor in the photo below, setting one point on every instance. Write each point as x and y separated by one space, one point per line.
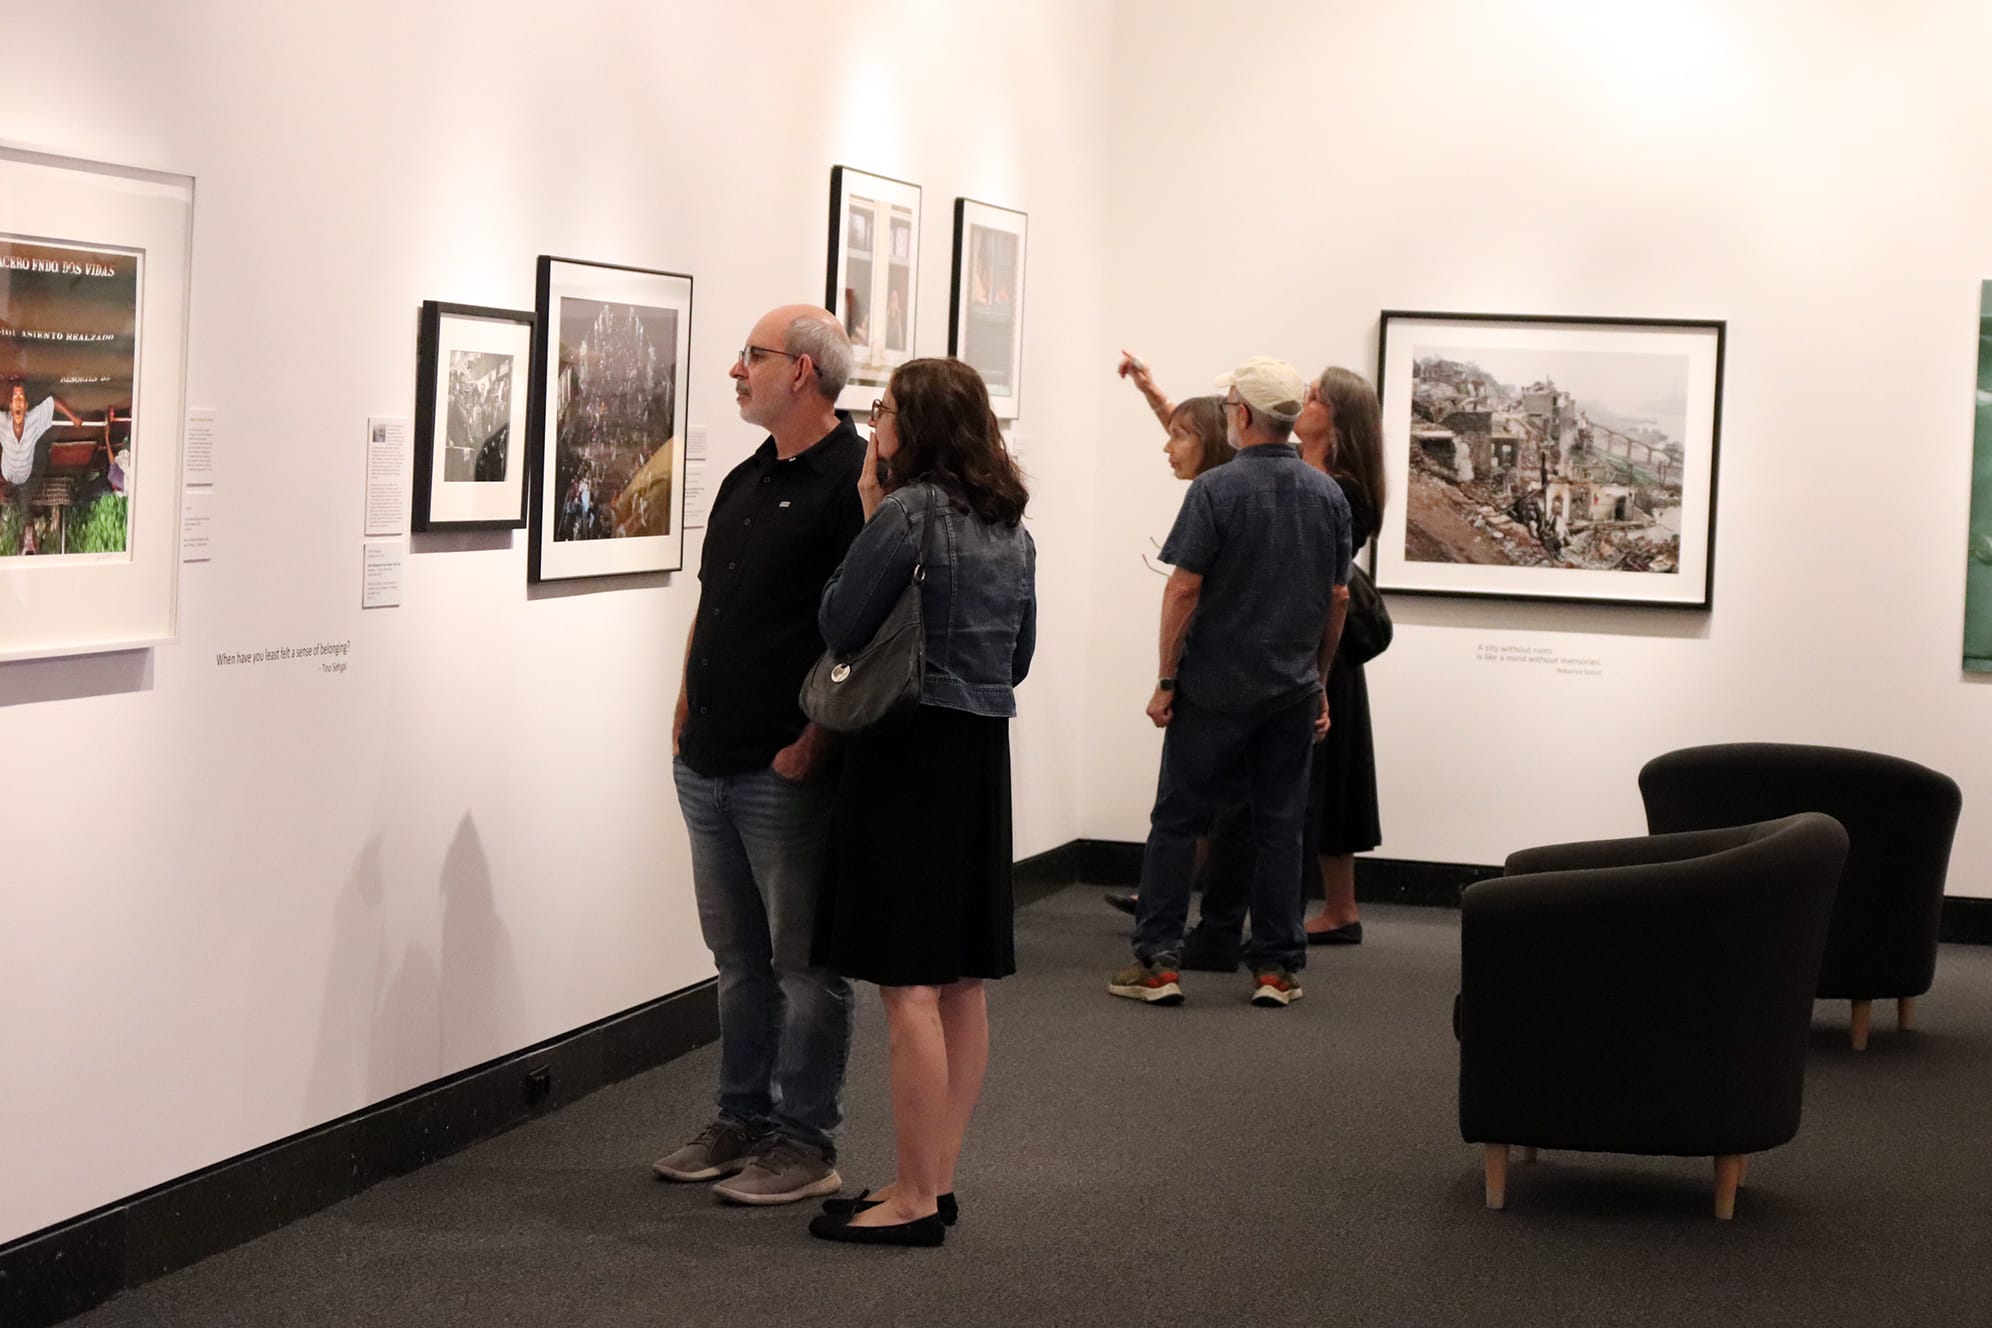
1211 1164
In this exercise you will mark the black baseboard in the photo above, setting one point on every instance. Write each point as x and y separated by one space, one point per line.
1115 864
1966 921
62 1271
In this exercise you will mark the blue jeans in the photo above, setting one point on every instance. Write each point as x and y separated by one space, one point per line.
1199 748
758 849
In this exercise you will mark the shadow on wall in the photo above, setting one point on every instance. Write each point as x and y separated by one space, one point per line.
384 1033
482 1001
73 677
379 1034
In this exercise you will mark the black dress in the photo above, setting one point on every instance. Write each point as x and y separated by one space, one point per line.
1345 761
918 890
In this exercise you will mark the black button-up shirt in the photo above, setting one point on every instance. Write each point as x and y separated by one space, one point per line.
777 530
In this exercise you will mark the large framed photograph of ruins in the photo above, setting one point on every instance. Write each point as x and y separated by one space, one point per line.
1550 458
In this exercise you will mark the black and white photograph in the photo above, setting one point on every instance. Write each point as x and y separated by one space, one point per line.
470 417
480 427
1553 458
986 321
609 420
873 278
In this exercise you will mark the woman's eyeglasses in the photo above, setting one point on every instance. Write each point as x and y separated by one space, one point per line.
879 408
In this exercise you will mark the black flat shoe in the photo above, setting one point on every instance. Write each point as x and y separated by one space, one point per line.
945 1207
1122 900
1351 934
921 1231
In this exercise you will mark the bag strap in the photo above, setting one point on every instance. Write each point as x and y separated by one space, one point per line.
926 536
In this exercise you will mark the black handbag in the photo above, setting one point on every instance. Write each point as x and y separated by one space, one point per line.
1367 630
880 681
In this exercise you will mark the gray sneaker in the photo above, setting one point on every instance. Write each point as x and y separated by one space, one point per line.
783 1171
721 1148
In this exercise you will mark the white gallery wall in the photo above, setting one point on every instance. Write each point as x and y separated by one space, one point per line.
1815 174
241 901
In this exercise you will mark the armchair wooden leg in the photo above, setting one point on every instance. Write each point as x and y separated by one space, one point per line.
1863 1013
1495 1159
1905 1013
1529 1154
1728 1175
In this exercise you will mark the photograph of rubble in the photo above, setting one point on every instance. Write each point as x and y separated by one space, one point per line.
1550 458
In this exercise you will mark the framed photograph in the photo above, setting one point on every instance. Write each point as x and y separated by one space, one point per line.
1978 560
1550 458
94 263
473 375
874 275
986 309
611 356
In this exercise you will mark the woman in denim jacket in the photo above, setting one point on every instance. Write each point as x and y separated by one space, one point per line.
918 894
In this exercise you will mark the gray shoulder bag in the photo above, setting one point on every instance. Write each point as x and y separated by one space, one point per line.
880 681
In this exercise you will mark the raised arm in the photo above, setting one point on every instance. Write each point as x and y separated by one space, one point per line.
1137 373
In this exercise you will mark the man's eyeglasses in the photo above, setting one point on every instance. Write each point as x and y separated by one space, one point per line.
880 408
747 353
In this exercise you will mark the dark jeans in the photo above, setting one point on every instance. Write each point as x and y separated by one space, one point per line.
1227 887
1199 748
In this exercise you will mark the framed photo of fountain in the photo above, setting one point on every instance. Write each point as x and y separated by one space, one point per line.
611 357
874 276
1544 457
94 266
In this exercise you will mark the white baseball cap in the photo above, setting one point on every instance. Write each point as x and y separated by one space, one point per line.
1272 387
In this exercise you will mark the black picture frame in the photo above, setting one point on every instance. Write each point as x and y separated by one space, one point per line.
895 209
970 325
633 289
431 432
1571 549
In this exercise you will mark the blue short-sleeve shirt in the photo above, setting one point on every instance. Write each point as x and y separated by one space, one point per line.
1270 535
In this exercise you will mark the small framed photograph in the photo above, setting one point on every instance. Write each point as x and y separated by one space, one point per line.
610 362
874 271
1550 458
986 309
474 368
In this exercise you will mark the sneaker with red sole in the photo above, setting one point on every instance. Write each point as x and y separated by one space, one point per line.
1147 982
1275 987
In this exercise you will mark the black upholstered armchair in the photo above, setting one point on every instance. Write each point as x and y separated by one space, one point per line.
1900 818
1647 995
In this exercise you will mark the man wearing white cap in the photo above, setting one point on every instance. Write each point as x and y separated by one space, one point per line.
1250 621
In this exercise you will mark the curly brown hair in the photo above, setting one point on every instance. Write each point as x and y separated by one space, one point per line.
948 436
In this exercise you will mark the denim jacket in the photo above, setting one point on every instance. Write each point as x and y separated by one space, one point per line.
979 599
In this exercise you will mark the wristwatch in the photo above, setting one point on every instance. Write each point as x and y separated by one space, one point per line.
1166 684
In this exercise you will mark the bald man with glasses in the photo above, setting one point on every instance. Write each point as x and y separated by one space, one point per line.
751 770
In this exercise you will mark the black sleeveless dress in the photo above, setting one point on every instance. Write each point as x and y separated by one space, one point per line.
1344 773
